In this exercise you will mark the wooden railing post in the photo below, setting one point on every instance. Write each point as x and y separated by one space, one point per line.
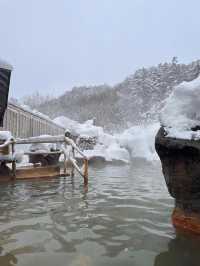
65 160
13 161
73 156
85 174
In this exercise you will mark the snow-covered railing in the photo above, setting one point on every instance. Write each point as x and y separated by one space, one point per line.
23 122
6 143
69 155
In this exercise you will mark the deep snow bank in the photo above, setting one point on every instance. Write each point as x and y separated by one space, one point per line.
182 111
137 141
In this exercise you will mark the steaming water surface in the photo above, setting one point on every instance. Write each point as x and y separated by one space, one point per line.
122 219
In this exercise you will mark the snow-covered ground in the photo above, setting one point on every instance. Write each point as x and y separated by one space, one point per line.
137 141
182 111
140 141
180 115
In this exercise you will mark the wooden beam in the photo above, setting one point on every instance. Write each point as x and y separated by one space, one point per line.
34 140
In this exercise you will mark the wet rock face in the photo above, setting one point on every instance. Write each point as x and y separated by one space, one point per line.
181 168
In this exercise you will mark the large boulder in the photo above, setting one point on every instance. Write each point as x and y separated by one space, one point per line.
181 168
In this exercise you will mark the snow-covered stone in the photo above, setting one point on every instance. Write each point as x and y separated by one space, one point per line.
181 114
139 141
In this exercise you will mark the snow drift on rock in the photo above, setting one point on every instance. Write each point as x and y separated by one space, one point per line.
139 141
182 111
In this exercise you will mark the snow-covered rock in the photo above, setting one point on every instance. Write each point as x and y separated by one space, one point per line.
181 114
116 153
139 141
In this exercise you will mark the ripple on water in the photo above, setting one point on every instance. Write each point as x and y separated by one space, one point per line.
124 213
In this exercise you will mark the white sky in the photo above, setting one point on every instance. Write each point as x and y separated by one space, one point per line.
57 44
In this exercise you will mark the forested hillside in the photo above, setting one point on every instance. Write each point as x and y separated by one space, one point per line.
135 100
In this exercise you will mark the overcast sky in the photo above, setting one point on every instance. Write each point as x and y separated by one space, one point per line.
57 44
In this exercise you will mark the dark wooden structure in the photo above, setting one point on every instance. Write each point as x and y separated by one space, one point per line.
44 164
5 74
181 168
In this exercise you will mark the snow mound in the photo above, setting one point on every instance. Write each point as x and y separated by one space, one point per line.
77 129
137 141
182 111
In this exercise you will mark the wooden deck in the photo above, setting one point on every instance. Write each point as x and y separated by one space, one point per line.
28 173
47 168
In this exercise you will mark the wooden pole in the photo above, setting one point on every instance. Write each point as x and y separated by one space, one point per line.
73 156
85 174
65 163
13 161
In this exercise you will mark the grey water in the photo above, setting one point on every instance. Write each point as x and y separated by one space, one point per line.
122 218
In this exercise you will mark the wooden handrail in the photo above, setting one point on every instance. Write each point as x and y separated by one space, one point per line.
84 174
7 143
34 140
54 139
42 152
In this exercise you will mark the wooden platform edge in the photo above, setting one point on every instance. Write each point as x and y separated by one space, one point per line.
33 173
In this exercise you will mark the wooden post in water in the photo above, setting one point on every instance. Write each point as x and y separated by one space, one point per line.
13 161
73 156
65 161
85 174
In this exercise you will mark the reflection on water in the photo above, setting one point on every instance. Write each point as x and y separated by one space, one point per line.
122 219
183 250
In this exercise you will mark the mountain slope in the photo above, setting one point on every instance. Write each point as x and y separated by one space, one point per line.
137 99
